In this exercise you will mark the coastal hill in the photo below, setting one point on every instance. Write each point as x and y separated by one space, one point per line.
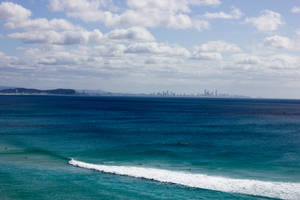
36 91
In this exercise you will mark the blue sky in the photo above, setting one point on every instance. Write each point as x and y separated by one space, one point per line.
240 47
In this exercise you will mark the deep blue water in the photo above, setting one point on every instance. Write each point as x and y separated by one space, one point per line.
239 139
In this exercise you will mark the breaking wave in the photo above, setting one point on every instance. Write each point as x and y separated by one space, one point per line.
282 190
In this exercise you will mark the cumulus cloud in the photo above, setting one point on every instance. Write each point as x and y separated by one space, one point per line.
201 24
41 24
147 13
59 38
283 61
246 59
13 12
16 16
278 42
41 30
156 5
198 55
7 61
170 5
3 57
267 22
295 9
157 48
156 60
108 50
217 46
212 50
59 59
60 31
234 14
133 33
205 2
109 56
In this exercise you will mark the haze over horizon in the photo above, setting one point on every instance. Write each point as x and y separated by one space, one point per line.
238 47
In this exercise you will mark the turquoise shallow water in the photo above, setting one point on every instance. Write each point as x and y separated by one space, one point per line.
236 139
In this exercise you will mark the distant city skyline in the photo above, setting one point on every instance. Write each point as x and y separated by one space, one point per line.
249 48
69 91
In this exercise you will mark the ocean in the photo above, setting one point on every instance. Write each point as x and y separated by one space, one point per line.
84 148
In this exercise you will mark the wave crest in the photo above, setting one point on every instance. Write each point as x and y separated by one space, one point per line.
282 190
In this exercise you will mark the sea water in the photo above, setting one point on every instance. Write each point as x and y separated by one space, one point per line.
72 147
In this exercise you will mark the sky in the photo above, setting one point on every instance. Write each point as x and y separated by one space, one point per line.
235 46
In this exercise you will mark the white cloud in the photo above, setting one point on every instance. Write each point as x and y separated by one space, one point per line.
267 22
201 24
13 12
109 57
147 13
295 9
205 2
283 61
41 24
41 30
218 46
133 33
16 16
157 60
169 5
59 38
206 55
212 50
158 5
246 59
5 60
234 14
59 59
278 42
75 5
108 50
157 48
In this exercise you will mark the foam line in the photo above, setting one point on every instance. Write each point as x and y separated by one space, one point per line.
282 190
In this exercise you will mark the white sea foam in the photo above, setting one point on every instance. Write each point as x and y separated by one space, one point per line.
282 190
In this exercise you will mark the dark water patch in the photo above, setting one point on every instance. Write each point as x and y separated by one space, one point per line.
19 125
15 147
47 153
33 151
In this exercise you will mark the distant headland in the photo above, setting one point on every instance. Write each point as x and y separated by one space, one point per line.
25 91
